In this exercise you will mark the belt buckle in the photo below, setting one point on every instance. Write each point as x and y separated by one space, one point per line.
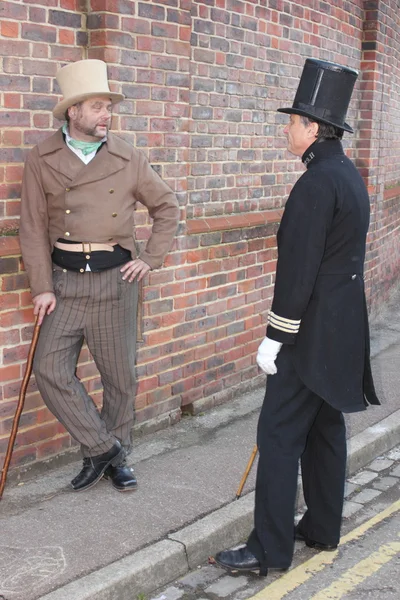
90 247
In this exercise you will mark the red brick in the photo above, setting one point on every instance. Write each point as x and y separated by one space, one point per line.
149 108
40 51
41 121
46 3
38 33
149 44
53 446
149 11
42 432
178 48
9 245
165 30
158 337
184 33
66 36
152 412
10 372
12 100
109 55
71 4
9 29
140 26
64 53
12 318
12 10
159 395
13 207
12 138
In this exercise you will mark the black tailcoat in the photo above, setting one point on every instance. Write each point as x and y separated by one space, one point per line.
319 299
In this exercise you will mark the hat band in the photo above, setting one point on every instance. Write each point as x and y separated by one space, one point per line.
318 111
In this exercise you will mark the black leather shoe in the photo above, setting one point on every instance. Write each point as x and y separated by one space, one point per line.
122 478
302 537
240 560
94 467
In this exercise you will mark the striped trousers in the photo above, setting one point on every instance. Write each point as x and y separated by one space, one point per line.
99 308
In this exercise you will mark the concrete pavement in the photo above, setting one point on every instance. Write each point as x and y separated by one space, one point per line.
103 545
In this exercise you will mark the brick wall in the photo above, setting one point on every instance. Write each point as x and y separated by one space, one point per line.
202 82
378 146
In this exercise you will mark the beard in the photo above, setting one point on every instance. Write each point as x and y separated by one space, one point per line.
91 131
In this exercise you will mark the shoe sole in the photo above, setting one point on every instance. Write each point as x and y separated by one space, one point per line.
316 545
125 489
116 458
121 489
321 547
255 570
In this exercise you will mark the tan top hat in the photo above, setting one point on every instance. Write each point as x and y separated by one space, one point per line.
82 80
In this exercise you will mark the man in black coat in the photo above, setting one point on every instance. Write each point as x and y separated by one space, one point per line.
317 345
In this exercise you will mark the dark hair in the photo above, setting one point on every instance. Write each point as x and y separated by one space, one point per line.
325 131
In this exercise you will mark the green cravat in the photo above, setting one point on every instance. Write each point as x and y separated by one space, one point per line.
85 147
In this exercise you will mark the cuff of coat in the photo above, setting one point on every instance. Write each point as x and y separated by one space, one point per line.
281 336
282 329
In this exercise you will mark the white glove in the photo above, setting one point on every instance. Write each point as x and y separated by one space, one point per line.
268 350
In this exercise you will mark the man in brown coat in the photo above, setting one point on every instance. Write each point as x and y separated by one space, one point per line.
79 195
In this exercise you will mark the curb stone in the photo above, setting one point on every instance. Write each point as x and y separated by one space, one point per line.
167 560
125 579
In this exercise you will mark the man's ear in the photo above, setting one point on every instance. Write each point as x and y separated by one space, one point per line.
314 129
71 111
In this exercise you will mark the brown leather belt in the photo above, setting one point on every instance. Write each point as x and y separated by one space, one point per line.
86 247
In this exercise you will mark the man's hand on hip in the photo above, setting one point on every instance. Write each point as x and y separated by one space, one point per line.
268 350
135 268
43 304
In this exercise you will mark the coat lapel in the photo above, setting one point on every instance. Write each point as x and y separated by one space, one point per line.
60 158
100 167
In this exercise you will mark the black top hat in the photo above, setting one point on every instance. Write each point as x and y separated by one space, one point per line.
324 93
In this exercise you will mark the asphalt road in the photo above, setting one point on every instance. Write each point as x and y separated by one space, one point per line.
364 567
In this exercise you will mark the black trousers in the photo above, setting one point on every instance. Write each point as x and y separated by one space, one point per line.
296 424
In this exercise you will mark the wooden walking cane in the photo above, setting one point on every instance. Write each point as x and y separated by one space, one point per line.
246 473
20 406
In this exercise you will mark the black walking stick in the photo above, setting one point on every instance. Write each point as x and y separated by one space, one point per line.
246 473
20 406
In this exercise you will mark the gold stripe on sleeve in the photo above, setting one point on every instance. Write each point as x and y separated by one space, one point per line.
283 324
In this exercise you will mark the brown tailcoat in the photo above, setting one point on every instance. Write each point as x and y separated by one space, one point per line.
64 198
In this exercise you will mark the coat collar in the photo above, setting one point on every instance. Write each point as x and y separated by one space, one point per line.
59 157
321 150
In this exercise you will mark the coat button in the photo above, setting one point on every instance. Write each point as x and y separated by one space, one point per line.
67 212
353 276
87 256
111 191
64 270
67 189
81 270
114 214
67 233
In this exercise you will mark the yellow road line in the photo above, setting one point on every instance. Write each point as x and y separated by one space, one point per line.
357 574
296 577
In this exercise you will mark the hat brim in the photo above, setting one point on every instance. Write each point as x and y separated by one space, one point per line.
304 113
60 109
